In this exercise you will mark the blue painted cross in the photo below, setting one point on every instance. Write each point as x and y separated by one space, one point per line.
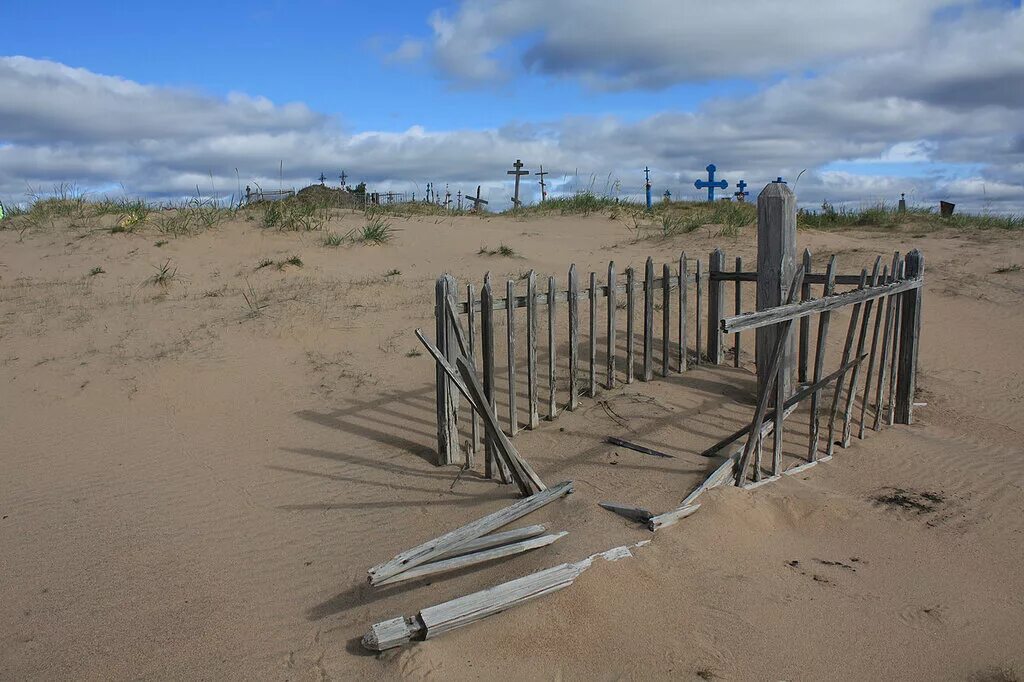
742 193
710 183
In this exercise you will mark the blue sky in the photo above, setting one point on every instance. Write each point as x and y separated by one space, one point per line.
870 99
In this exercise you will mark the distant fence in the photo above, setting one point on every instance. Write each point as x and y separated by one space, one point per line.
267 195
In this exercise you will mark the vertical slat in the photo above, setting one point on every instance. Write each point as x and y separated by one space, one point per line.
447 401
666 317
574 337
697 320
780 401
883 362
683 285
716 306
847 349
738 309
819 360
630 315
610 327
552 407
861 342
894 360
805 323
510 317
474 443
531 350
492 465
910 332
871 358
648 319
593 335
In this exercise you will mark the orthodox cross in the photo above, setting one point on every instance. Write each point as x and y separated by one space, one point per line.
647 185
711 183
459 195
518 166
742 193
543 190
343 177
430 188
322 178
476 200
666 197
447 198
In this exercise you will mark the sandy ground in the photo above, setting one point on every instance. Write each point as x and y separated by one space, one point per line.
191 491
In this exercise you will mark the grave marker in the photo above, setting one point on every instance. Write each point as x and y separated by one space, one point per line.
647 185
711 183
543 187
476 200
741 194
518 172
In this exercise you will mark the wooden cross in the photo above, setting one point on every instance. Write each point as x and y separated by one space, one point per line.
711 183
543 190
447 198
459 195
476 200
322 178
518 165
343 177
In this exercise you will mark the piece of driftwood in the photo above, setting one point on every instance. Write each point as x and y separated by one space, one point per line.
813 435
682 311
610 327
630 315
533 418
466 560
671 517
494 540
430 550
648 372
631 513
855 375
796 310
639 448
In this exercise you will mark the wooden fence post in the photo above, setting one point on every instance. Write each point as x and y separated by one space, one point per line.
910 332
574 337
683 277
805 323
447 399
739 309
531 350
648 319
776 257
630 314
492 465
716 306
552 349
611 325
592 374
474 442
666 317
510 319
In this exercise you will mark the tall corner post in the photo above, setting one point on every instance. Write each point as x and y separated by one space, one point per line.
910 336
716 306
447 399
776 263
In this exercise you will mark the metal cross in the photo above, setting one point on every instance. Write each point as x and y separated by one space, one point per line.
711 183
742 193
647 185
543 190
518 165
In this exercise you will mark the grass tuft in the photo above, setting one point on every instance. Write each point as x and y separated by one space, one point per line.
96 271
165 274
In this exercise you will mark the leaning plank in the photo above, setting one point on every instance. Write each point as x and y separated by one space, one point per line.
473 559
670 518
847 349
494 540
639 448
632 513
819 361
492 465
805 323
887 338
855 378
871 359
471 324
434 548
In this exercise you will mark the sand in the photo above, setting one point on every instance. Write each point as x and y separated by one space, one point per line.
192 491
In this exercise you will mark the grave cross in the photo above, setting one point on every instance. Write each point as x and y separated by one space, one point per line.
343 177
459 195
711 183
742 193
447 198
322 178
518 166
647 185
476 200
543 190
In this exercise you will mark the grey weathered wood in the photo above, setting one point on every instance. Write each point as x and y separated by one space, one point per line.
552 348
765 394
776 254
532 398
779 401
729 276
682 311
648 372
871 359
666 317
610 327
474 444
574 337
763 318
631 513
861 341
391 633
435 547
671 518
805 322
699 284
466 560
910 332
494 540
510 328
447 402
592 374
630 315
453 374
847 351
890 414
819 361
492 468
639 448
738 309
716 307
887 344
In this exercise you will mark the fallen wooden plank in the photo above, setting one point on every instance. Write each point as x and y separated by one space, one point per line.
494 540
632 513
388 634
639 448
671 518
473 559
435 547
763 481
799 468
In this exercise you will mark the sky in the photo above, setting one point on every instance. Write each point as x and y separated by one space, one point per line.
852 103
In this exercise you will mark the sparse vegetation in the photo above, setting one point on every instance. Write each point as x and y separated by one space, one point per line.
254 302
280 264
393 273
1013 267
333 239
96 271
165 274
503 250
413 354
376 231
159 243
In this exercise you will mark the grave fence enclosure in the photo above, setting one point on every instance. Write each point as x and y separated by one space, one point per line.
618 327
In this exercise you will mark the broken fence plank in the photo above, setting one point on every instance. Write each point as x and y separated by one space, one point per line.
632 513
494 540
435 547
861 341
671 518
639 448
